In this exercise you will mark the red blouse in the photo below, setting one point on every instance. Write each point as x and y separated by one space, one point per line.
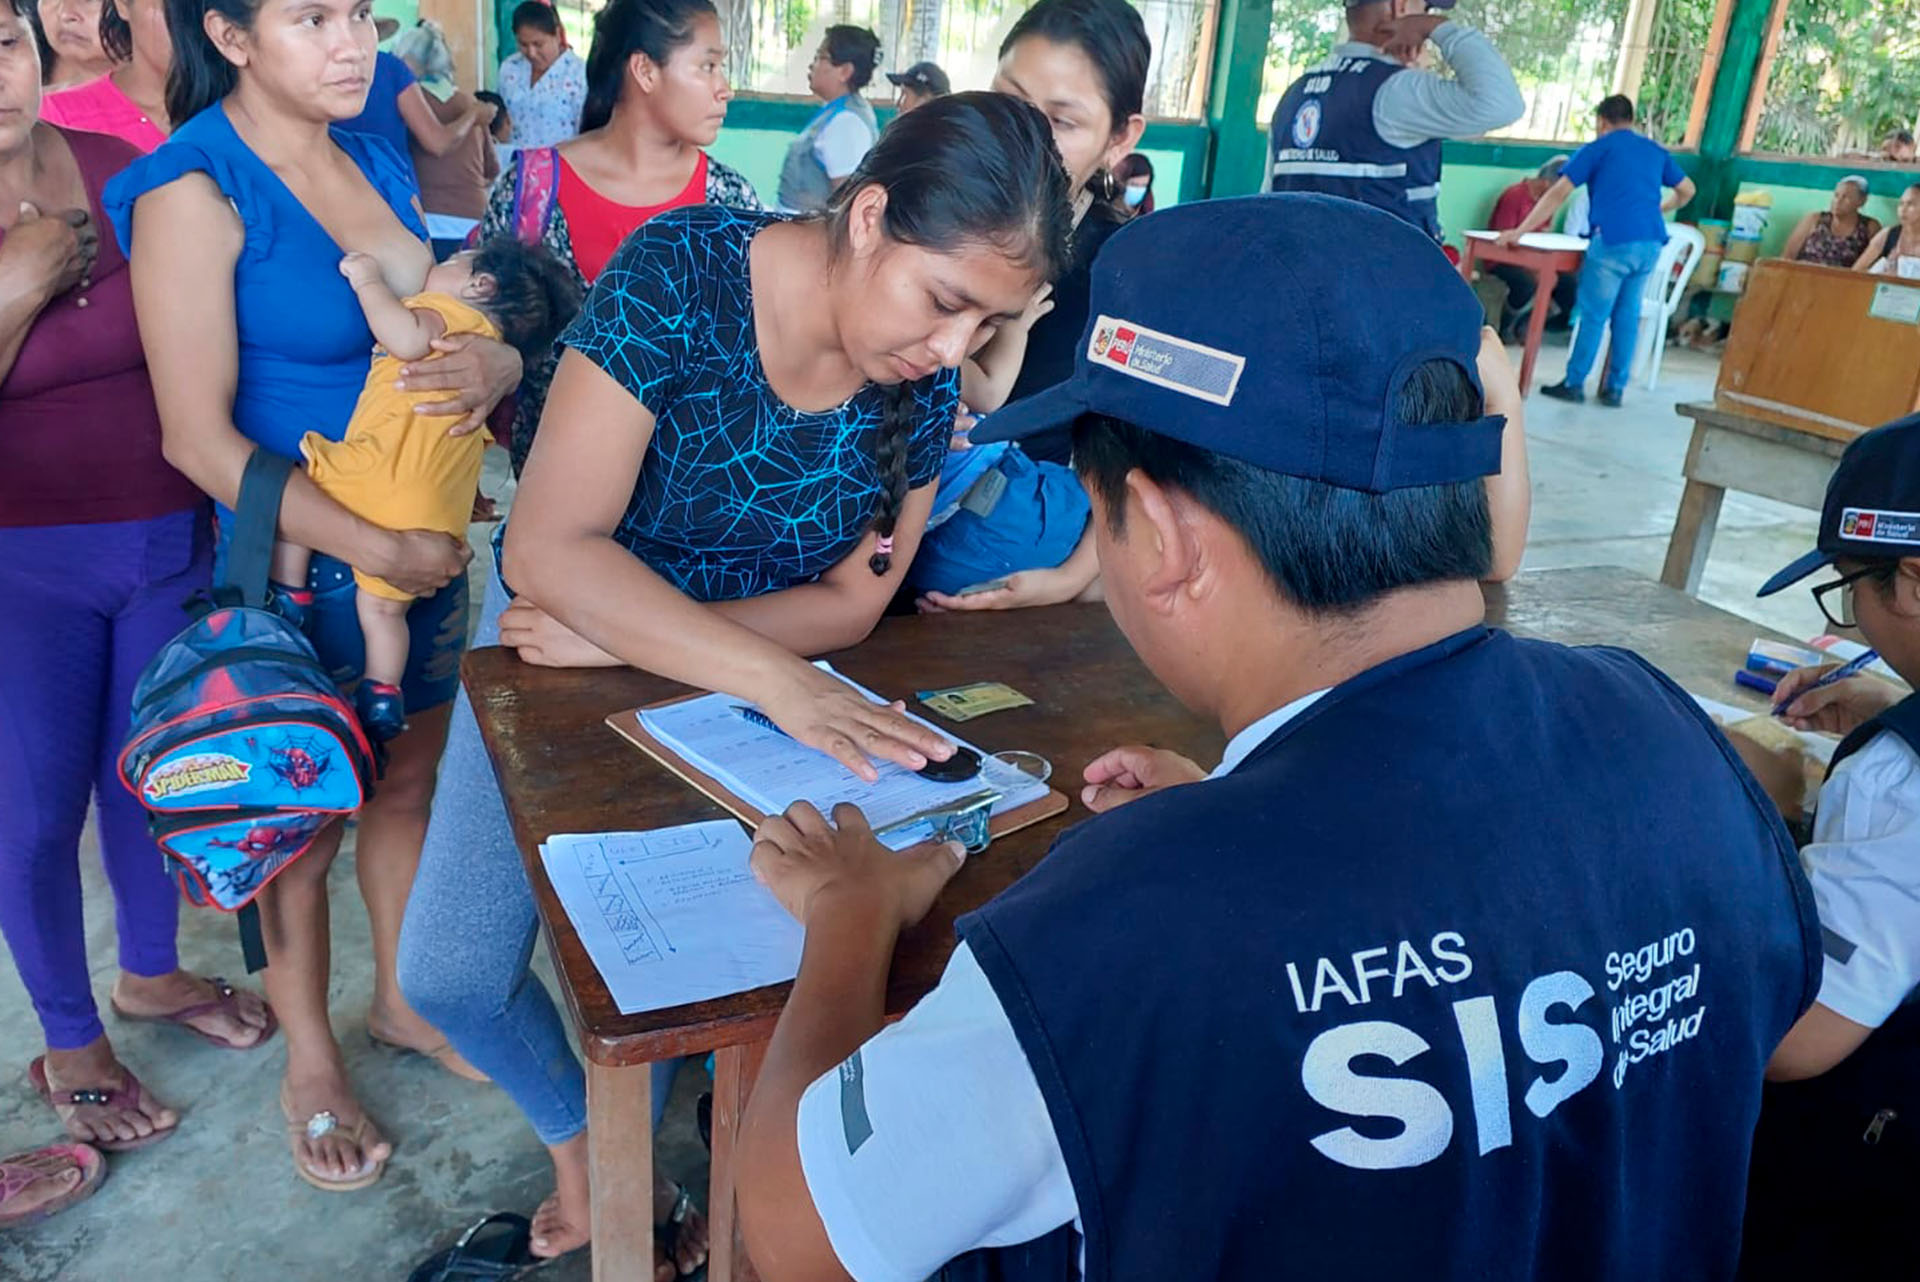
597 225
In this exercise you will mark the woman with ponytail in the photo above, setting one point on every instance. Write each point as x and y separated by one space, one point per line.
236 227
657 94
735 463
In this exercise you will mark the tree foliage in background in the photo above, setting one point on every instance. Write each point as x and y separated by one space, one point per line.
1847 74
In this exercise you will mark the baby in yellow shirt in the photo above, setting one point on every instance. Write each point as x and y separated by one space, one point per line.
403 471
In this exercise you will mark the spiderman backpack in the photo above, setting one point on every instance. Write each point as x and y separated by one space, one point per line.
241 747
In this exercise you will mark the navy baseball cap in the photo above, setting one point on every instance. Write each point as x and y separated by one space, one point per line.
1278 330
1872 511
923 77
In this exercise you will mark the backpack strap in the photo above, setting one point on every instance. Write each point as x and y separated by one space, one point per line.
536 183
256 521
253 946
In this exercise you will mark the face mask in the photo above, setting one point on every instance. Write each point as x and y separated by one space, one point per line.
1135 197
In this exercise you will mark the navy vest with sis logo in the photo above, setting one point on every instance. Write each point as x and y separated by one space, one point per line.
1469 971
1324 141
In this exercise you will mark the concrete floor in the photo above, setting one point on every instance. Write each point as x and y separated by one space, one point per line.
220 1201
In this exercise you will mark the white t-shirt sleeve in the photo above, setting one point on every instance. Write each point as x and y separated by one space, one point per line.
1864 864
842 143
933 1139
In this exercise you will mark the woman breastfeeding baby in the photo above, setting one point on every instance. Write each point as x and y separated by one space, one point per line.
257 188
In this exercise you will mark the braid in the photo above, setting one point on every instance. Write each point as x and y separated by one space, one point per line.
890 457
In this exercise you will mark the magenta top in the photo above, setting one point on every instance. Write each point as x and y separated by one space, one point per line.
82 438
99 107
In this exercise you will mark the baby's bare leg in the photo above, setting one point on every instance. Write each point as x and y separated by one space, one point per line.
289 565
383 622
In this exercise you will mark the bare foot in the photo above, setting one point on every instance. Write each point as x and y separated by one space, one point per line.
94 1068
242 1023
32 1181
403 1029
690 1246
559 1227
351 1149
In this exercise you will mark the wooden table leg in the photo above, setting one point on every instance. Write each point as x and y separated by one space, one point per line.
1466 261
1692 537
1544 280
734 1071
620 1164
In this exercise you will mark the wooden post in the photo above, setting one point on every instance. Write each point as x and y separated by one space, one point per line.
460 19
1637 34
1709 68
1757 96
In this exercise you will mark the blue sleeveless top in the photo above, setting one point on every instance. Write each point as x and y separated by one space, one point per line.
304 342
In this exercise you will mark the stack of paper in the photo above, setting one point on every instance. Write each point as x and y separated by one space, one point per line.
673 916
770 771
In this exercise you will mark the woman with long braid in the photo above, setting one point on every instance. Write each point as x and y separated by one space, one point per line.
733 469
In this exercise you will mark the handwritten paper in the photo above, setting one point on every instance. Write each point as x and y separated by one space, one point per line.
673 916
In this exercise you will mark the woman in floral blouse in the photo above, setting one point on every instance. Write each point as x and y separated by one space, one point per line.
545 84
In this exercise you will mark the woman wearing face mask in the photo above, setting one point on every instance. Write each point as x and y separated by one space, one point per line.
236 227
545 83
71 53
657 94
1136 190
733 470
130 102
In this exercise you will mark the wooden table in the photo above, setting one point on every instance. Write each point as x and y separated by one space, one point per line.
562 770
1548 256
1734 450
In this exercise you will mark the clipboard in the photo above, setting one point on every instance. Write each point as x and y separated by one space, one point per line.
627 725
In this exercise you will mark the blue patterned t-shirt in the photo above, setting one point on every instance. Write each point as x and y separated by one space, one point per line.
740 494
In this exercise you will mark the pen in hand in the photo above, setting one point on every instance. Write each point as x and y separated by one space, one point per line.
1852 668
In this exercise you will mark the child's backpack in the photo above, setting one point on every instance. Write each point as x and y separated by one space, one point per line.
241 747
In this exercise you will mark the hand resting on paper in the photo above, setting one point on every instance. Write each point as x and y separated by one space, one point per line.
807 862
1130 773
825 712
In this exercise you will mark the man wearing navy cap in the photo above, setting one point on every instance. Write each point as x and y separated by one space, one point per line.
1464 961
919 85
1367 124
1836 1161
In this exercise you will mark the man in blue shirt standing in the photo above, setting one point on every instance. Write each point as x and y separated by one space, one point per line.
1427 978
1626 173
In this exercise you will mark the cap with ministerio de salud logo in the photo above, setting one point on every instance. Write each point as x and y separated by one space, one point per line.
1278 330
1872 512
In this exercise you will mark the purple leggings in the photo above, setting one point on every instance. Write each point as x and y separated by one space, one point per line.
82 610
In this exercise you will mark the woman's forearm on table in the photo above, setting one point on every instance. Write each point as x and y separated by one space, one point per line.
592 585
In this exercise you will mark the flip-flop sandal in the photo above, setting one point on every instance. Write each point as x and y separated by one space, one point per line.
666 1234
494 1249
127 1098
318 1126
21 1171
444 1055
227 1003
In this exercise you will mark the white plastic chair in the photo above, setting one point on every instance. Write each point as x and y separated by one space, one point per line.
1666 285
1665 288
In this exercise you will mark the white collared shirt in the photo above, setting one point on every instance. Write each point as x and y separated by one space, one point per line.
1864 866
956 1150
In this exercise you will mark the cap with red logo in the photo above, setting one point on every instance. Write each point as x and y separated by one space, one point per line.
1872 511
1279 330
